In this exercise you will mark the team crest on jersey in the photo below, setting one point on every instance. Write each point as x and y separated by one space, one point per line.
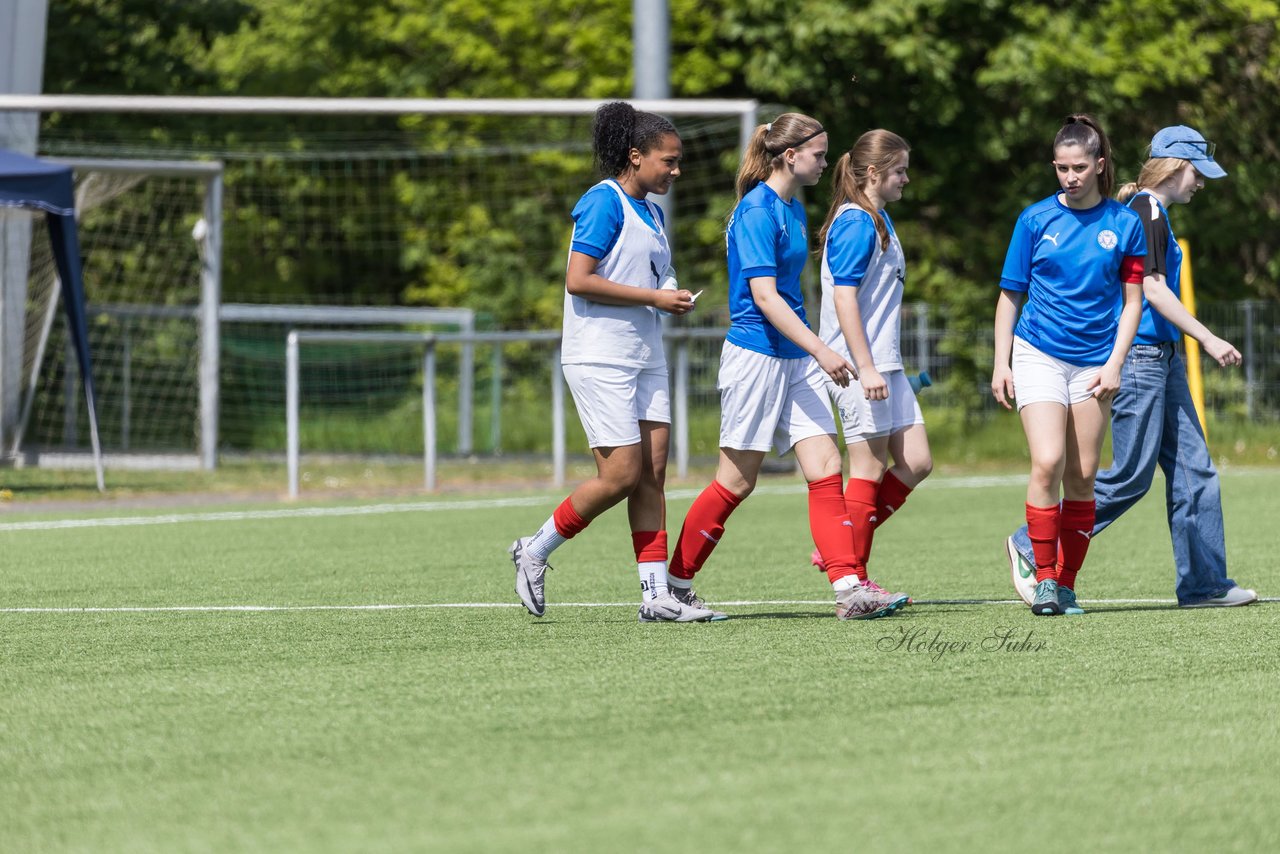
1107 239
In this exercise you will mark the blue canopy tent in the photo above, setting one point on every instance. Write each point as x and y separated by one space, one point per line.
26 182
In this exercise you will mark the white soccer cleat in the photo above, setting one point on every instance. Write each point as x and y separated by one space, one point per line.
1022 573
668 609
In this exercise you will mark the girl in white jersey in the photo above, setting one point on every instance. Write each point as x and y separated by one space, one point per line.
613 359
1076 256
863 272
766 398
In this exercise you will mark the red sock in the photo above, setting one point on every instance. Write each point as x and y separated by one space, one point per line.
567 520
649 545
891 495
1077 527
1042 528
703 526
860 504
831 528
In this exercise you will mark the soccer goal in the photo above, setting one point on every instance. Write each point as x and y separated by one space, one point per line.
355 205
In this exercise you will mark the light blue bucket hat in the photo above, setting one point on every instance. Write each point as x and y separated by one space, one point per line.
1187 144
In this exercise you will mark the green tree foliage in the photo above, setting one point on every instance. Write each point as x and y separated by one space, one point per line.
977 86
980 86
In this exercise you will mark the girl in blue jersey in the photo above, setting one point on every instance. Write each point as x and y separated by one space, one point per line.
612 356
767 399
1153 420
863 272
1073 256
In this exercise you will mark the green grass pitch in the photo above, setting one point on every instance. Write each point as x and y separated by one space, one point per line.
1136 727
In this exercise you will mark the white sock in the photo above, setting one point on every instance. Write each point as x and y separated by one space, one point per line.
847 583
653 579
547 540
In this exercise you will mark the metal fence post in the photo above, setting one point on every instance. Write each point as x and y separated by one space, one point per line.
495 400
922 336
291 409
210 324
682 406
126 387
1250 371
429 416
557 421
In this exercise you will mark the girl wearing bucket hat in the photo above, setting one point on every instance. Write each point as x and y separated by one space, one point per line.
1153 420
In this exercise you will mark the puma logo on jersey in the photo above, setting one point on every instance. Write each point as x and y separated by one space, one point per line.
1052 238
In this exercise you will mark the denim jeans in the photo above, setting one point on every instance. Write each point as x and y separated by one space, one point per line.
1154 422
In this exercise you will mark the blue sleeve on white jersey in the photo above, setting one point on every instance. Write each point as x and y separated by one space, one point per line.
756 239
851 241
598 222
1016 275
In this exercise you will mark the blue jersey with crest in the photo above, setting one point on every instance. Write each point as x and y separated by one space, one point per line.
766 237
1068 263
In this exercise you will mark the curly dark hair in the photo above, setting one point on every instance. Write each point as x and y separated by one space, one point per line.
620 127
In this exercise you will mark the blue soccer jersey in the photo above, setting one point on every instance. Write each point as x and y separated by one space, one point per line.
1164 257
767 237
1068 262
598 220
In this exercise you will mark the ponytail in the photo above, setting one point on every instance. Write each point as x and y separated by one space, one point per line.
876 148
1084 130
1127 191
767 145
1154 172
618 127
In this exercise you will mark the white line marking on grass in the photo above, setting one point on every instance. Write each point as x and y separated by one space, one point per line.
757 603
418 507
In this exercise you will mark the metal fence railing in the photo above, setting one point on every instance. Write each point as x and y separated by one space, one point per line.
1253 392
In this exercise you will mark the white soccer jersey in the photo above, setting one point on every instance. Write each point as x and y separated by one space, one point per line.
629 335
879 299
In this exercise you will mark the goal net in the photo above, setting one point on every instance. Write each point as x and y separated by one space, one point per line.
443 211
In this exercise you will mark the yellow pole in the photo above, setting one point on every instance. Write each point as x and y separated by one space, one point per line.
1195 381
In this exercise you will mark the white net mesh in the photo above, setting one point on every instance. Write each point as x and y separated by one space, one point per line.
419 211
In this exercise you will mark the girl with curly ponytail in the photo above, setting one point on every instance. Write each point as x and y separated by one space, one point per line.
612 356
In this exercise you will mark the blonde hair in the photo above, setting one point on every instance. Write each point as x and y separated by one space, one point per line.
879 149
768 143
1154 172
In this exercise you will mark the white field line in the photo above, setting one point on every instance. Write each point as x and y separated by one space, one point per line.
418 507
257 609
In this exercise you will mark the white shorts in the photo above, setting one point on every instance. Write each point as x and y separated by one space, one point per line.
1041 378
613 400
864 419
767 402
